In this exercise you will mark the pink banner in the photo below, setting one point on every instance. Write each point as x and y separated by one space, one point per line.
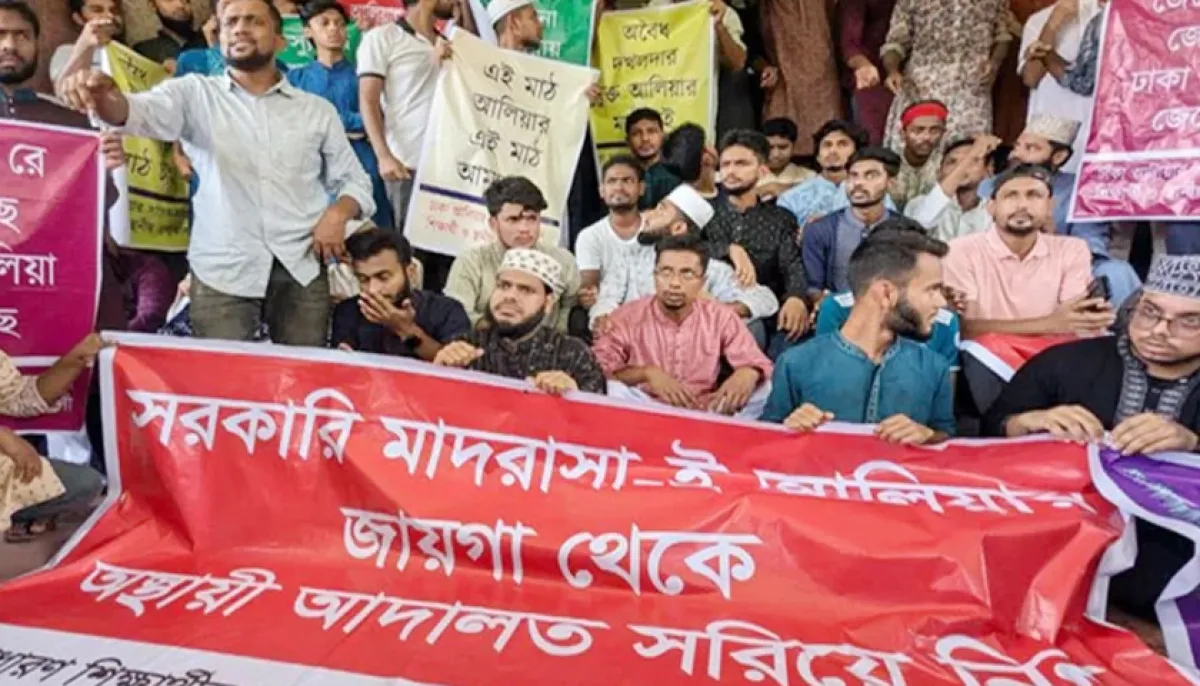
51 228
1143 154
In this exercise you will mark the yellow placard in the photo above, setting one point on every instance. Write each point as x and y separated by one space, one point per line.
158 195
656 57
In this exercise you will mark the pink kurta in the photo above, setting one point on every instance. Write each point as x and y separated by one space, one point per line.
689 351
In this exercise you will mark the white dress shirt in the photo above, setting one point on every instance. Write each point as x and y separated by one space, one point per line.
268 165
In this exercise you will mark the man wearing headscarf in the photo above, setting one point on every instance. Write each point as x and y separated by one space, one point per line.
510 340
1141 388
923 126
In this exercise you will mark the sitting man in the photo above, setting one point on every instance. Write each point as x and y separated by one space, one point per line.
783 174
1047 141
510 339
953 207
835 143
670 346
943 340
388 316
1142 387
514 206
923 125
828 242
644 133
1018 279
683 212
872 371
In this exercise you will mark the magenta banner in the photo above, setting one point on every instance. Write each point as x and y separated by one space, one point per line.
1143 154
51 228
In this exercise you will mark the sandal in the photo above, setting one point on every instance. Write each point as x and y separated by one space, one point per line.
25 532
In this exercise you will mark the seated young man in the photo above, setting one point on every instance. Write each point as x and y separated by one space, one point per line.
1016 277
1142 388
873 371
389 316
943 340
784 174
511 341
669 346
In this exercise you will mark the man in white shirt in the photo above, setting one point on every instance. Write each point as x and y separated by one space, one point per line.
953 208
99 22
397 75
268 156
603 244
1059 26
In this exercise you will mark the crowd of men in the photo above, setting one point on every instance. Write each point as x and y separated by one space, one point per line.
795 272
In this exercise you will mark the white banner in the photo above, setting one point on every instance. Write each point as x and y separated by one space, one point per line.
496 113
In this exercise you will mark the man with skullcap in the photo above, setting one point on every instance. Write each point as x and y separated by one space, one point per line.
1138 391
510 339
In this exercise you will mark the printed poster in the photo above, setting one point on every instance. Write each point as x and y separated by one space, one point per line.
1142 160
496 113
52 185
657 57
158 195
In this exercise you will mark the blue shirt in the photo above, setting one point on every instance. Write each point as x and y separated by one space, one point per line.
818 197
944 340
337 84
836 376
826 248
1096 234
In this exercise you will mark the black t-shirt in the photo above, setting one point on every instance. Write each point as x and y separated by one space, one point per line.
1089 373
441 318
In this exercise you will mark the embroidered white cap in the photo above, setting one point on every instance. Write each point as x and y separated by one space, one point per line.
535 263
1054 129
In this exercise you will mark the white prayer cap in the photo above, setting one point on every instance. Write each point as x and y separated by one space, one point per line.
1054 129
499 9
535 263
693 205
1175 275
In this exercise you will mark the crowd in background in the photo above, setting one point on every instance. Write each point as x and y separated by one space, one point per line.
885 179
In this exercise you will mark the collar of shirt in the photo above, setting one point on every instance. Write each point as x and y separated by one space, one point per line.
856 352
282 86
23 95
661 318
852 220
1002 251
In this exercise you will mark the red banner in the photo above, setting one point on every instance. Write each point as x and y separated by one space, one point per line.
1143 153
51 234
289 517
375 12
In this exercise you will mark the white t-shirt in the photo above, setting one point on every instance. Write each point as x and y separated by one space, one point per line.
1049 97
599 247
407 64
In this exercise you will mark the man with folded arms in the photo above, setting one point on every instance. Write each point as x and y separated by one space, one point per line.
670 346
510 339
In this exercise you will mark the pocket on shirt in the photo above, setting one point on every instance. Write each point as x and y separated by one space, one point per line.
300 153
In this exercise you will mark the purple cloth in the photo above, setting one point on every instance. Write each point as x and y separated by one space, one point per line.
148 289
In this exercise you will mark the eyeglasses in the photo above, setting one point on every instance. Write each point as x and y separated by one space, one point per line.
1147 316
684 275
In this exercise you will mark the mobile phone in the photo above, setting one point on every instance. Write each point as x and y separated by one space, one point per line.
1099 288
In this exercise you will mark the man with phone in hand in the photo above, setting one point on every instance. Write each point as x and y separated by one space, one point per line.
389 316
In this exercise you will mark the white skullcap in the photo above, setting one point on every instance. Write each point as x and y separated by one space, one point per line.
1175 275
1054 129
691 204
535 263
499 9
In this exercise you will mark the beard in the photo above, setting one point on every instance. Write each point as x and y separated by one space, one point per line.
513 331
1016 230
20 74
251 62
404 294
181 27
739 189
869 201
622 206
904 320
